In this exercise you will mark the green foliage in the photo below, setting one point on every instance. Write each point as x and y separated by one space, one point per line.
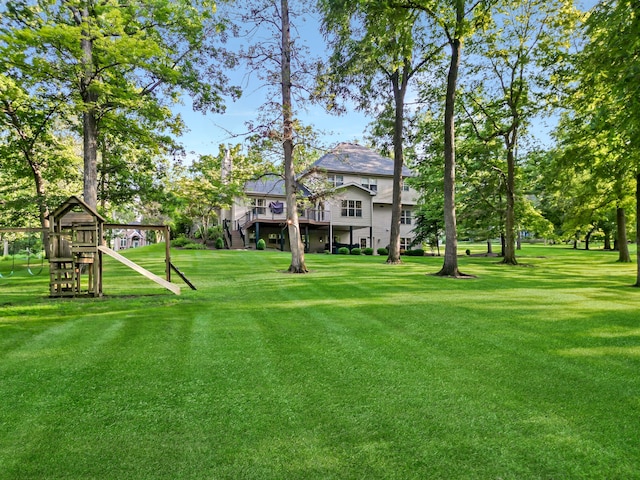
367 251
219 242
261 245
416 252
383 251
356 251
115 86
343 251
180 241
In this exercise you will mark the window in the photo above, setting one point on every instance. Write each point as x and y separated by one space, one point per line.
123 243
405 243
259 206
274 238
405 218
335 180
370 183
352 208
363 242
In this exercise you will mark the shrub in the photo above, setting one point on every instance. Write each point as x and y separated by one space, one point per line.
195 246
261 245
180 242
418 252
367 251
343 251
356 251
468 252
219 243
383 251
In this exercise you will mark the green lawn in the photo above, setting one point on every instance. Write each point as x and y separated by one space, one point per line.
358 370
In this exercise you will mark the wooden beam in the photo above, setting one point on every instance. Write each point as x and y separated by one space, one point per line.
182 276
134 266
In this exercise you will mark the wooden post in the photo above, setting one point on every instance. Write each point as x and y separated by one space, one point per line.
167 249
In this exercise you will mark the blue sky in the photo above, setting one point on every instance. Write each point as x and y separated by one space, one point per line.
208 131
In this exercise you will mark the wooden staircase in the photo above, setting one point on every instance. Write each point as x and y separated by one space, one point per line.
236 241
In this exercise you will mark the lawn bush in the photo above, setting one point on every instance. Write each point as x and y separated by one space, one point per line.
261 245
356 251
383 251
343 251
417 252
367 251
195 246
219 243
180 242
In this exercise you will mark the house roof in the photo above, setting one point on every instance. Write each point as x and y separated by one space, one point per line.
356 159
269 185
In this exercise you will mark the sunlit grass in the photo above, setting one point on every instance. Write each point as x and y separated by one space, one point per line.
357 370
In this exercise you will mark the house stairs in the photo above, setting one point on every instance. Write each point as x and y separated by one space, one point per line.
236 241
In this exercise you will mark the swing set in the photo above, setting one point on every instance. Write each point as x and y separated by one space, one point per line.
12 249
76 249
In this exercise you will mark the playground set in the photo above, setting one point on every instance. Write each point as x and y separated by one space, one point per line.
76 250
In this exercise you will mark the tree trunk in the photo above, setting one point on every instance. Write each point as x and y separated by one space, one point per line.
43 209
607 239
510 222
89 121
295 242
623 246
637 284
399 89
450 266
489 247
587 238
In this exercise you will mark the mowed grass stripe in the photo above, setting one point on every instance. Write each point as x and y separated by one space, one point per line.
358 370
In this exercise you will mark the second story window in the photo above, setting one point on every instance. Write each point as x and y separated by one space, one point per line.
405 218
352 208
370 183
259 206
335 180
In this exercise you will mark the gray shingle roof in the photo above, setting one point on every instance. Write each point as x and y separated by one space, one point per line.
267 184
270 184
356 159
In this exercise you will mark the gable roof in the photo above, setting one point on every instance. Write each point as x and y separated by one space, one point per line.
356 159
270 184
70 204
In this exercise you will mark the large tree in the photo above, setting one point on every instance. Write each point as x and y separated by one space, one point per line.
377 50
278 56
512 59
611 82
455 21
111 55
32 146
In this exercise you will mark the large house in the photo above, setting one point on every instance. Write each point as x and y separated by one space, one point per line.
353 207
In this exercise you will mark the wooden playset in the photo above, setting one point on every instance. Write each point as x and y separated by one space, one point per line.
76 249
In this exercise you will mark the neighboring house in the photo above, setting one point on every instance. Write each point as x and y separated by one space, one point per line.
129 238
353 208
